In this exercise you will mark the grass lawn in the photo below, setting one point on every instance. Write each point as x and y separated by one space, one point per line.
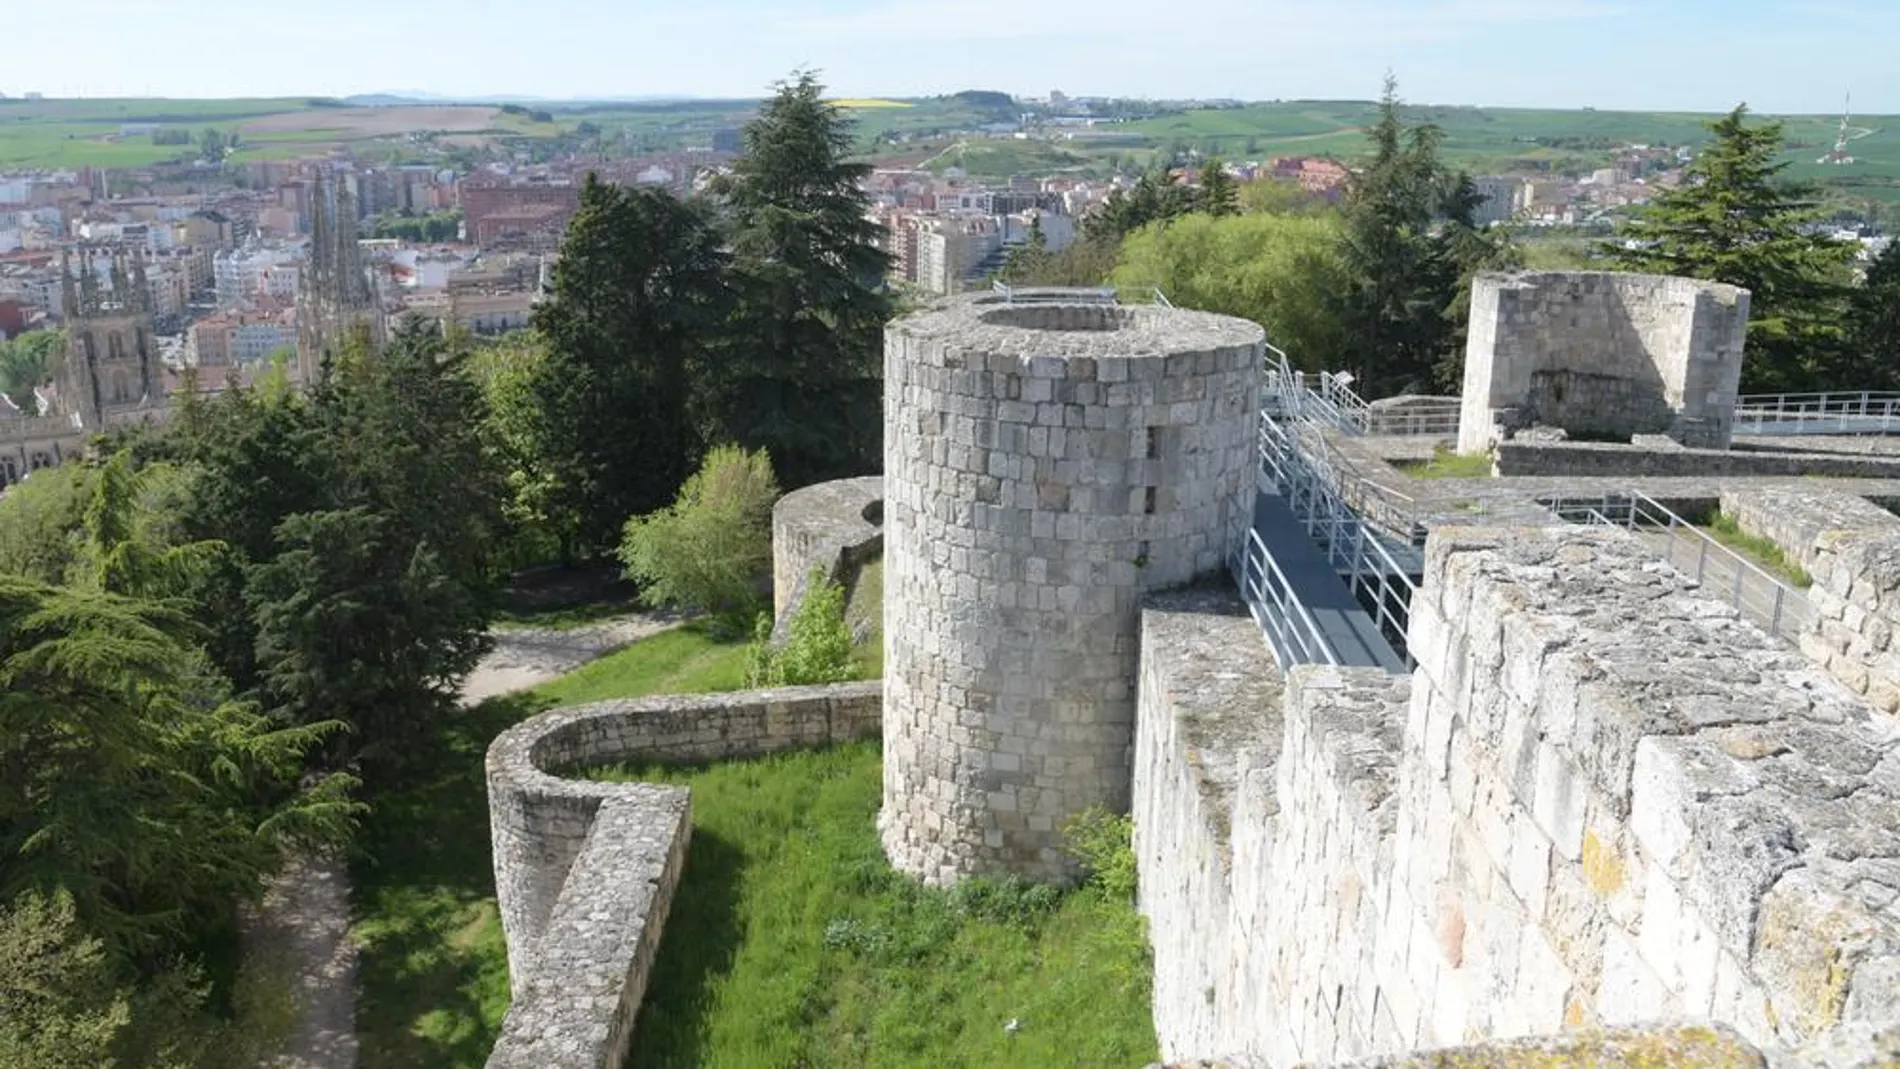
791 942
1446 464
434 974
1761 551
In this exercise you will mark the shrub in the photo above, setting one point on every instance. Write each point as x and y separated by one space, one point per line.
818 647
712 548
1104 843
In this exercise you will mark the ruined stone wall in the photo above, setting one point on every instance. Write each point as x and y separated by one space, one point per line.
1045 466
1603 353
1607 801
585 871
1524 457
1851 548
835 527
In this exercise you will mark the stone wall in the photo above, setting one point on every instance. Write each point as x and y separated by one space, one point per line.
835 527
585 871
1851 548
1045 466
1604 354
1523 457
1607 801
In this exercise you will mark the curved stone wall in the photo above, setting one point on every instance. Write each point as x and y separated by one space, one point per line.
585 871
835 526
1045 466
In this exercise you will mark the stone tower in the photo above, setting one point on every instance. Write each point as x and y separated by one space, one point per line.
1045 466
112 369
335 297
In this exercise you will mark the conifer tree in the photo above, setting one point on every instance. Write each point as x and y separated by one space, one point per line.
1735 220
1219 194
1873 322
801 379
1409 249
639 306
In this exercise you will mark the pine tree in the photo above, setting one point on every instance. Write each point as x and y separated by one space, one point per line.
1873 322
638 311
1733 219
1219 194
1410 249
802 377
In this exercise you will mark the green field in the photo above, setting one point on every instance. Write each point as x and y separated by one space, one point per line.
86 132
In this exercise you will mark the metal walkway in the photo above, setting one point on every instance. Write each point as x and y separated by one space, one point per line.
1326 585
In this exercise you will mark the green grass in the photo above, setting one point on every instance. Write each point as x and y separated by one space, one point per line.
1446 464
866 611
434 970
791 942
1762 551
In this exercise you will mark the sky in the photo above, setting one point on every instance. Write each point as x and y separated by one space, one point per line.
1677 55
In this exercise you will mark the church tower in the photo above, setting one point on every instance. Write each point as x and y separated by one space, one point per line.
335 298
112 371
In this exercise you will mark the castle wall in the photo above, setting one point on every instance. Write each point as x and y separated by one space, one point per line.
1851 548
1045 466
1607 801
1521 457
835 527
1603 354
559 860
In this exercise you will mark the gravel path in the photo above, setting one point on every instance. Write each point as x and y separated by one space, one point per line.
524 657
304 921
305 915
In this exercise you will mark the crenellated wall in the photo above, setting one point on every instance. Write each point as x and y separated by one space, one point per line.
1606 801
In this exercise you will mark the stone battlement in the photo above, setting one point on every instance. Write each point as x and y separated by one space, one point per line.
1606 801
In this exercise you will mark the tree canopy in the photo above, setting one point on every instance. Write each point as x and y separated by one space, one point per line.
1735 219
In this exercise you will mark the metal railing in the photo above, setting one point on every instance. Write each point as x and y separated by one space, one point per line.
1764 599
1292 633
1055 294
1846 412
1375 566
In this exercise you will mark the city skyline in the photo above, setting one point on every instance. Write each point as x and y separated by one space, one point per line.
1698 55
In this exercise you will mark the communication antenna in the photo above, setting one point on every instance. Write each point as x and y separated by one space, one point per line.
1840 156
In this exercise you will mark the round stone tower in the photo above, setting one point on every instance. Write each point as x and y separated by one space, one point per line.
1045 466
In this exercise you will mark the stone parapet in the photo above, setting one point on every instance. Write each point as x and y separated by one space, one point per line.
585 870
1607 801
1851 548
835 527
1520 458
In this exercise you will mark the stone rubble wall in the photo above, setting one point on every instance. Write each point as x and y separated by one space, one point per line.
836 527
1520 457
1045 467
1660 1047
1608 801
585 871
1603 353
1851 547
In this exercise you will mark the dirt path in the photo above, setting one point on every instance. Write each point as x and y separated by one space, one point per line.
304 924
525 657
304 920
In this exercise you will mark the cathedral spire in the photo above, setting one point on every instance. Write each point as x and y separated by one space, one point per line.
68 299
141 286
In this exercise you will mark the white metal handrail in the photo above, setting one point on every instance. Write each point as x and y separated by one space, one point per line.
1844 412
1295 636
1765 599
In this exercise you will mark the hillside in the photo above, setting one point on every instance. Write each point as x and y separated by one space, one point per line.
935 131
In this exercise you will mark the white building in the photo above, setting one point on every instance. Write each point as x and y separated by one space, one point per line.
950 249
